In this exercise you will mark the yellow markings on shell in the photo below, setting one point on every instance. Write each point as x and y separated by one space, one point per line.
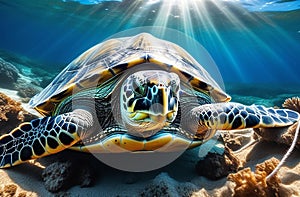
158 142
121 144
131 144
135 62
113 144
194 144
177 144
160 62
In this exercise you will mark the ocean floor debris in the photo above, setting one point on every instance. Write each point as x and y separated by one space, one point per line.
11 114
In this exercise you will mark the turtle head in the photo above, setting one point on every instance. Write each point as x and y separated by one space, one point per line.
149 101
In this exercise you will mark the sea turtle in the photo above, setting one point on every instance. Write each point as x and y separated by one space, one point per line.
143 92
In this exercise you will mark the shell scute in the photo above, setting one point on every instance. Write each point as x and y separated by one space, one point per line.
113 57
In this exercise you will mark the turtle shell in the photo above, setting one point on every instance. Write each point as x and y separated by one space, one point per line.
113 57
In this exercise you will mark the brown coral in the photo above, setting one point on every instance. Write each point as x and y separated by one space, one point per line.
248 183
10 190
11 114
292 103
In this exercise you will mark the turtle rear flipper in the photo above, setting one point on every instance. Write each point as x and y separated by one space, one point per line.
229 116
42 137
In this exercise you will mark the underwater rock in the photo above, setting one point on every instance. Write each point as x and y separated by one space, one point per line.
9 74
12 114
27 89
215 166
60 176
57 176
164 185
248 183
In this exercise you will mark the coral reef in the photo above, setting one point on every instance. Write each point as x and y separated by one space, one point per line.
164 185
27 90
248 183
60 176
215 166
27 85
8 74
11 114
10 190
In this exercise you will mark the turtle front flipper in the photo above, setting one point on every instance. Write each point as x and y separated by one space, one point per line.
229 116
42 137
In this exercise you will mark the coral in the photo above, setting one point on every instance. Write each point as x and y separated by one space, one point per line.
59 176
11 114
10 190
292 103
28 90
8 74
248 183
164 185
215 166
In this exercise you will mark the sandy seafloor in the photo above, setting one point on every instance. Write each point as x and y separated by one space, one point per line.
112 182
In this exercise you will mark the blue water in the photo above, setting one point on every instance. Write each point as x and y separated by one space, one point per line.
250 41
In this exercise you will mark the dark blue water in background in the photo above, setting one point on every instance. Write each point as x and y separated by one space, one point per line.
248 44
